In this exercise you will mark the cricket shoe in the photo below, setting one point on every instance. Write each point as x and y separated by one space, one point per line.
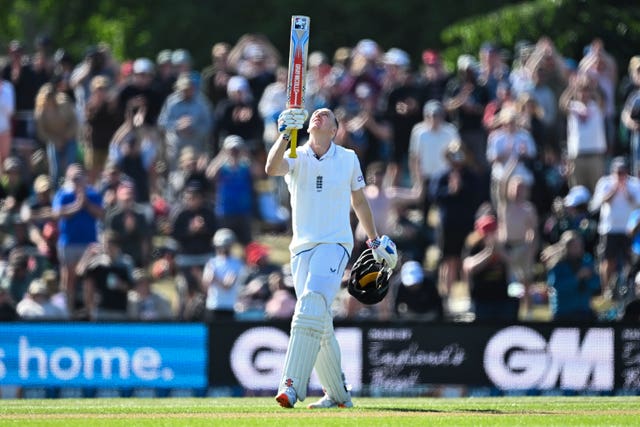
287 397
327 402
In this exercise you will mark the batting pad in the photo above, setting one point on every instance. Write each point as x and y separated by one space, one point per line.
328 365
307 329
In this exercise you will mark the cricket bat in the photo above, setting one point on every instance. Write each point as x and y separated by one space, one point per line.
298 50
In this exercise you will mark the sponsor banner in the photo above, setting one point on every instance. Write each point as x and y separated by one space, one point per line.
397 357
103 355
628 357
251 354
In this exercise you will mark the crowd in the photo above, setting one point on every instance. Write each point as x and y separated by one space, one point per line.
520 166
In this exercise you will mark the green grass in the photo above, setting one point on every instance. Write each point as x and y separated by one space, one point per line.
510 411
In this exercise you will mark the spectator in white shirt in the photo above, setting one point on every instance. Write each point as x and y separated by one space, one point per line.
616 196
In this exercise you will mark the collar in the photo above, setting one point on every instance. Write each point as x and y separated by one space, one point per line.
330 152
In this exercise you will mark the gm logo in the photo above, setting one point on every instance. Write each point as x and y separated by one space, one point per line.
519 357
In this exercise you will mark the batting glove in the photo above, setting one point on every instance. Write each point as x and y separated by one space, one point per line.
384 251
291 119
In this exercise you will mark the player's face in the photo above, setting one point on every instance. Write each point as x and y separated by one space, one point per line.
323 120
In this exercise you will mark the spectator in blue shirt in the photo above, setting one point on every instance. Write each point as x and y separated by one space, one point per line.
79 208
571 278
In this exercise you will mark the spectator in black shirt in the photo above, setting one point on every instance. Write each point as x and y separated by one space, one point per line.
487 269
417 296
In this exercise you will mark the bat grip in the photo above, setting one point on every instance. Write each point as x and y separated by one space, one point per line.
293 140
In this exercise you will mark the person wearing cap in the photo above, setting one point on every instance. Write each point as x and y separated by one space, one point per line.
14 188
164 78
223 276
231 173
433 77
572 279
464 101
491 68
185 119
96 62
403 99
141 86
487 268
427 144
239 115
37 304
18 274
57 125
615 197
181 61
143 303
43 227
572 213
102 121
78 208
456 194
191 167
193 226
417 294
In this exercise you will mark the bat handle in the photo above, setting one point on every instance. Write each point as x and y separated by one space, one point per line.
293 140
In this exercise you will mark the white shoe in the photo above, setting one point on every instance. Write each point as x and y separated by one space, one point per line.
287 397
327 402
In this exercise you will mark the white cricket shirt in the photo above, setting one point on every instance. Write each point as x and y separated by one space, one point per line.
321 196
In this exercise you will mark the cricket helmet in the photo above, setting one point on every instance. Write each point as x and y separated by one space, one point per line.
369 280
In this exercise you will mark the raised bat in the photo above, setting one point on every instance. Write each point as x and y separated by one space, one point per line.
298 50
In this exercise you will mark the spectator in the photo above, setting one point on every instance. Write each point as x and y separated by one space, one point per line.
417 294
574 215
14 188
486 267
57 125
518 230
20 74
164 78
141 87
191 168
364 129
586 137
434 77
456 194
231 174
193 226
18 274
429 139
572 279
79 208
260 275
181 62
96 62
465 99
7 306
272 103
507 144
129 222
111 178
216 76
185 119
37 304
106 279
223 277
43 227
492 69
101 123
387 204
134 149
239 115
504 99
282 302
630 116
7 108
403 100
616 196
145 304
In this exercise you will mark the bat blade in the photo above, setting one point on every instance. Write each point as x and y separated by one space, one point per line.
296 81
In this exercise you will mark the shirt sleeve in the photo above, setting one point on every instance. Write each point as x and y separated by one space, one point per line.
357 179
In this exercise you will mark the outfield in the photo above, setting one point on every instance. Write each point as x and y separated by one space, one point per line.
509 411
